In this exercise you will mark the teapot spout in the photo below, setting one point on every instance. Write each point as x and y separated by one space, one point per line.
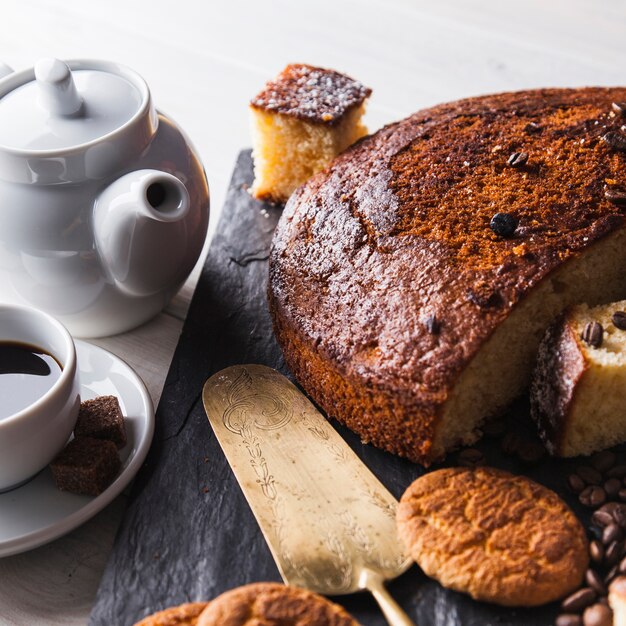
140 232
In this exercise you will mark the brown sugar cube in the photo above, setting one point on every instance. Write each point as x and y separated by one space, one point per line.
101 418
86 466
300 121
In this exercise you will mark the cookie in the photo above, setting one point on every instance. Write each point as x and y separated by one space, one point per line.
183 615
498 537
271 604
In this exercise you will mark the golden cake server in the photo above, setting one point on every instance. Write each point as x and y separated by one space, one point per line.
328 521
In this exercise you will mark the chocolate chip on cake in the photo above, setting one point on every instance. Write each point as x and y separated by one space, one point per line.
86 466
503 224
101 418
616 196
517 159
532 128
619 320
433 325
615 139
592 334
619 108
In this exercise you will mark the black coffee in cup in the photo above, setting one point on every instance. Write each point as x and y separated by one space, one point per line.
26 374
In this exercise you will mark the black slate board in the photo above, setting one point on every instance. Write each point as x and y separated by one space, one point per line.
188 533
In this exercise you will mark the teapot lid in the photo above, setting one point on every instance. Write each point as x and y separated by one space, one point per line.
62 107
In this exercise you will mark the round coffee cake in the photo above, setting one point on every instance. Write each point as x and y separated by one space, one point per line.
411 281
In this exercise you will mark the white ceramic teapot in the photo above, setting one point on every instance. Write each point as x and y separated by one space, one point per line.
104 203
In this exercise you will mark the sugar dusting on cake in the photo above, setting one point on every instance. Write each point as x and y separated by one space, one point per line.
310 93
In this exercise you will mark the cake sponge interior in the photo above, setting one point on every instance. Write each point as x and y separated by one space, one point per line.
287 151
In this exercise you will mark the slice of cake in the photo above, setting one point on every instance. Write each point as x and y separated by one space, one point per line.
300 121
578 394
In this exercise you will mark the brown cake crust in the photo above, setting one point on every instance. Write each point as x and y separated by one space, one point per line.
560 366
498 537
272 604
183 615
395 235
312 94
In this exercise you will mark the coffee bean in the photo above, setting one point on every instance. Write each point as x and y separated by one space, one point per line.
510 443
592 496
598 615
619 514
602 518
612 486
579 600
596 532
531 452
590 475
532 128
615 140
619 108
621 494
595 582
596 551
575 483
613 572
593 334
603 461
568 619
517 159
614 553
619 471
503 224
494 428
622 566
612 533
471 457
615 196
619 319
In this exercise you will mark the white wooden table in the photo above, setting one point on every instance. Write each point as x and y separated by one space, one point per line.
204 60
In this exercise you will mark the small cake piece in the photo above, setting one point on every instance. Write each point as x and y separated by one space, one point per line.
617 600
183 615
101 418
272 604
578 393
300 121
86 466
498 537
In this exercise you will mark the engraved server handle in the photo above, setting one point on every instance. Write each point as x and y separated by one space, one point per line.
391 609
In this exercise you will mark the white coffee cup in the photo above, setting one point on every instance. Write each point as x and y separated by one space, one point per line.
31 438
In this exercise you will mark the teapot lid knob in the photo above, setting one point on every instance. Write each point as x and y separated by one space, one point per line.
57 91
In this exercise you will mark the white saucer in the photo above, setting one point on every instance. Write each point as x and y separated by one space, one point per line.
38 512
